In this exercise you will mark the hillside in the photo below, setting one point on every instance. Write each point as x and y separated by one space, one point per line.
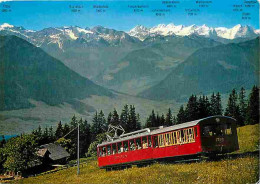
27 72
146 66
25 120
208 70
240 170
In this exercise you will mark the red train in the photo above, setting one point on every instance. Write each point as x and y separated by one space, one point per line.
211 135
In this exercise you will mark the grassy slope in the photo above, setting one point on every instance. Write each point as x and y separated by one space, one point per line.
248 138
240 170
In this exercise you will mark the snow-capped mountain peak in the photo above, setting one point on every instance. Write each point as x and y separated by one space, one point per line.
139 32
60 36
236 32
5 25
204 30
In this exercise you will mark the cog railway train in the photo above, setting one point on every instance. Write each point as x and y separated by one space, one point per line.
209 136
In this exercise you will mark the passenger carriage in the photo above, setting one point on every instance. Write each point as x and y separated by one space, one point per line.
211 135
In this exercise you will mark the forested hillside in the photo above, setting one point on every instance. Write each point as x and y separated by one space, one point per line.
27 72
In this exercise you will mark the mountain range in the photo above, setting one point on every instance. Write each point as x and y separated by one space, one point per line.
47 75
220 68
133 61
237 31
27 72
105 36
146 66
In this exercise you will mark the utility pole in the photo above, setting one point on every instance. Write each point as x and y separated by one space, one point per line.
78 151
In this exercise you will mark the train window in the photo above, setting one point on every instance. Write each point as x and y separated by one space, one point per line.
161 140
167 139
138 143
108 149
228 130
132 144
207 131
113 149
190 135
174 138
125 143
184 135
145 142
217 130
120 147
178 135
149 141
170 138
155 142
104 152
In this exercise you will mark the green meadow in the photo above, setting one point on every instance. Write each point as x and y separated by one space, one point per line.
244 169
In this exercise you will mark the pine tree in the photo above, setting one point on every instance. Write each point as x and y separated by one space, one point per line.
218 106
59 131
45 136
181 116
253 107
162 120
158 120
124 119
132 120
51 134
232 109
66 129
174 120
148 123
74 122
213 102
202 112
109 118
138 122
39 134
85 136
73 132
242 106
115 118
168 119
151 120
96 127
204 107
102 121
192 109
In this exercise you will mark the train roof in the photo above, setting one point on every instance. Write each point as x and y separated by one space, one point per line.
158 130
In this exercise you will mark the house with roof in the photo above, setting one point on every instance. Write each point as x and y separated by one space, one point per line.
52 154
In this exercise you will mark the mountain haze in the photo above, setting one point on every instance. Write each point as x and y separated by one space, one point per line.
207 70
146 66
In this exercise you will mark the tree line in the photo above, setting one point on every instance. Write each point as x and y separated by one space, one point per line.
244 110
17 153
20 158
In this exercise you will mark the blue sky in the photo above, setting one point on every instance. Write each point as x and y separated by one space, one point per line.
38 15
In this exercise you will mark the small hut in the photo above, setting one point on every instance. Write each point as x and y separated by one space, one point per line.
52 154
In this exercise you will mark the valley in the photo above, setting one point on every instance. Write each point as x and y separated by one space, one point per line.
54 73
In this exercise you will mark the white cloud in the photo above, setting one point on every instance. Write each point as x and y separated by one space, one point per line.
1 1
